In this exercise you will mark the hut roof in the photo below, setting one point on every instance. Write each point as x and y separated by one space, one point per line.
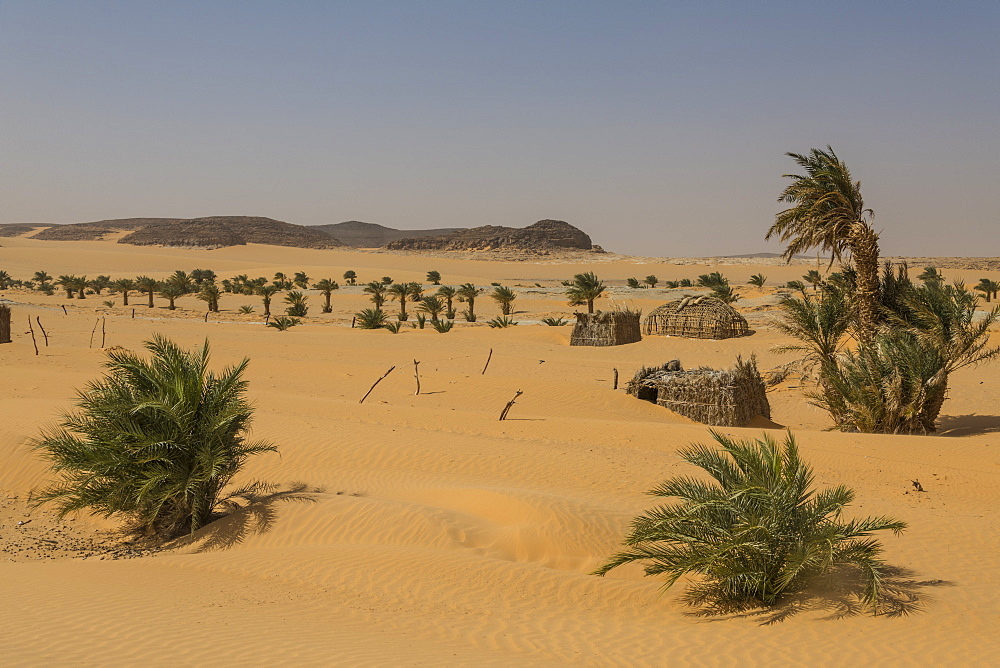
701 317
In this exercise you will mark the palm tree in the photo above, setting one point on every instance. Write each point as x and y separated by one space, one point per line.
377 291
757 280
467 292
301 280
80 284
40 277
281 281
712 280
725 293
296 304
504 297
416 291
756 531
210 294
386 280
584 289
434 277
820 322
99 283
123 285
65 281
651 281
181 280
828 213
5 280
156 441
633 283
930 274
814 278
147 285
370 318
326 286
400 292
432 305
351 277
266 292
171 290
988 288
448 293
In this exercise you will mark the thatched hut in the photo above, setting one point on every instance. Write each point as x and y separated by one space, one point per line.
4 323
697 317
728 398
606 328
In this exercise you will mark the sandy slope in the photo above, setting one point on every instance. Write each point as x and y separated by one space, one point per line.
418 530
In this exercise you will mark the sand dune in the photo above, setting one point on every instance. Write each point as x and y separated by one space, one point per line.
419 530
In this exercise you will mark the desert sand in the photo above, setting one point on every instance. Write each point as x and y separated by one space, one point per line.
420 530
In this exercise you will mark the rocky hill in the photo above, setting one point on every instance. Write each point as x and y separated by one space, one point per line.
97 230
371 235
17 229
543 235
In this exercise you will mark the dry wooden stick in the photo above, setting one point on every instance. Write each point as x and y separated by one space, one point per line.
206 316
96 323
375 383
506 409
102 332
133 314
64 309
44 333
616 380
487 361
32 330
416 374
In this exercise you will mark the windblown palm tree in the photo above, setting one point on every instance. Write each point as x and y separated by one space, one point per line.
757 280
171 291
281 281
432 306
584 289
448 293
988 288
80 284
296 304
266 292
181 280
147 285
651 281
467 293
351 277
301 280
210 294
828 213
504 297
99 283
756 531
930 274
377 290
65 282
41 277
124 286
813 278
434 277
157 441
400 292
326 286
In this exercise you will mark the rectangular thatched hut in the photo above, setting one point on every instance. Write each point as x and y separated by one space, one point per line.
727 398
698 318
606 328
4 323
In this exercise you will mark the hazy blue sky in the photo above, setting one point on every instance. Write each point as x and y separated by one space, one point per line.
657 127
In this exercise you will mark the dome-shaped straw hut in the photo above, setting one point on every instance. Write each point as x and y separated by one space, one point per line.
727 398
607 328
698 318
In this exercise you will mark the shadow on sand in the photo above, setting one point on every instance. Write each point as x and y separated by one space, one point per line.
838 595
968 425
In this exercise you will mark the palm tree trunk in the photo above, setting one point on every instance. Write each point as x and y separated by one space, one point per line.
590 306
150 299
863 242
124 297
932 408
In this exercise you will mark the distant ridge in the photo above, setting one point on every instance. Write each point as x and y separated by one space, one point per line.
541 236
372 235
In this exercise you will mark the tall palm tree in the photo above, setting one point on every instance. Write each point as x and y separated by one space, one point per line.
651 281
156 441
988 288
65 281
585 288
281 280
377 291
210 294
181 280
467 293
504 297
829 214
400 292
80 284
432 305
813 278
326 286
123 285
147 285
171 290
448 293
99 283
301 280
266 292
351 277
5 280
41 277
755 531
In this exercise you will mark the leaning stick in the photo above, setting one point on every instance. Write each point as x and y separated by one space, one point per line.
32 330
416 374
133 314
206 316
102 332
96 323
44 333
506 409
374 384
64 309
488 358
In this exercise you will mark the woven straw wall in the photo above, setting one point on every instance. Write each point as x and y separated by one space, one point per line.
4 324
606 328
698 318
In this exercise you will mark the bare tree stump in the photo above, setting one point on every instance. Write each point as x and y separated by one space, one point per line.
506 409
376 383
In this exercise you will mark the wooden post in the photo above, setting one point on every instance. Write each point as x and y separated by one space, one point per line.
64 309
102 332
616 380
133 314
96 323
488 358
376 383
416 374
206 315
506 409
32 330
5 323
354 320
44 333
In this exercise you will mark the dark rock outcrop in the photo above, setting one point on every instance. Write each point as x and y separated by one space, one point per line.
97 230
543 235
221 231
371 235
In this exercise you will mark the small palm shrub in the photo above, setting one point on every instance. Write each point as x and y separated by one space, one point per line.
633 283
795 285
671 284
554 322
421 321
712 280
443 326
371 318
757 280
246 309
109 303
469 316
756 531
684 283
393 327
725 293
282 322
297 304
501 322
156 441
651 281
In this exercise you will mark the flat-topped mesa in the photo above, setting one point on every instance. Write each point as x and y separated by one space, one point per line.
543 235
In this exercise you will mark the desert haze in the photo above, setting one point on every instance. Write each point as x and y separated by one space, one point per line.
418 529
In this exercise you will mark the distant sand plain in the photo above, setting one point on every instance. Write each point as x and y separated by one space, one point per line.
425 532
